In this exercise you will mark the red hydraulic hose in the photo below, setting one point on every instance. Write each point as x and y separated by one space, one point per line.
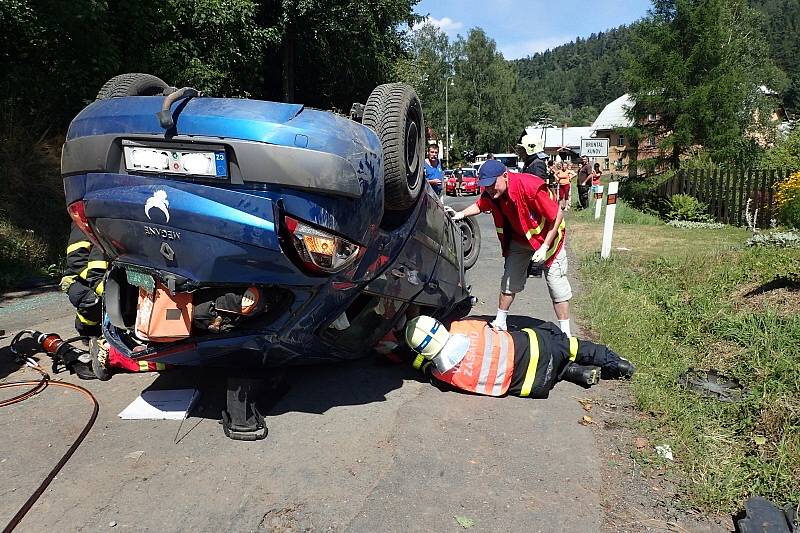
37 387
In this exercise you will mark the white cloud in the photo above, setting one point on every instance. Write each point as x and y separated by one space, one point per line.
519 49
446 24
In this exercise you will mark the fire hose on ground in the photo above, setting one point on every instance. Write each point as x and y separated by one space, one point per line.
52 345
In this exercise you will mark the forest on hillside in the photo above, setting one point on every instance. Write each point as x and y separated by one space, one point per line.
588 73
584 73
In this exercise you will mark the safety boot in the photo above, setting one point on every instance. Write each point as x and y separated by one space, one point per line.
618 368
98 350
582 375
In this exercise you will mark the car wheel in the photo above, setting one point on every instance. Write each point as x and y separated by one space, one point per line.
132 84
470 241
394 112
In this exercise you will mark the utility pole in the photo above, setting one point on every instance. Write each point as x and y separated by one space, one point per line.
446 125
448 81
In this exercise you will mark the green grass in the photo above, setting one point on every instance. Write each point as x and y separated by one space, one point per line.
624 215
33 221
676 300
23 255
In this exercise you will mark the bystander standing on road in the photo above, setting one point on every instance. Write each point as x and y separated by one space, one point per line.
530 226
584 182
433 169
596 173
564 176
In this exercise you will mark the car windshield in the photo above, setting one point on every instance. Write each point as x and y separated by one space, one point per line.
468 172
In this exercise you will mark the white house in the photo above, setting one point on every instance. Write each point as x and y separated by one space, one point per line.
563 143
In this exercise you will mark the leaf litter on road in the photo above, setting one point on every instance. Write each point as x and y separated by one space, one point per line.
464 522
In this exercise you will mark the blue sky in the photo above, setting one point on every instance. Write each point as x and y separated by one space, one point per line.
524 27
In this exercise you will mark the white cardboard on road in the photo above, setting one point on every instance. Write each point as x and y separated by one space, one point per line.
161 405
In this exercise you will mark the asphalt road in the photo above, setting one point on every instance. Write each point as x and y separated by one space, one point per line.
361 447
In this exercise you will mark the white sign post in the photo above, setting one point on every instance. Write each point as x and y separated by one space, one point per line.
594 147
608 228
598 201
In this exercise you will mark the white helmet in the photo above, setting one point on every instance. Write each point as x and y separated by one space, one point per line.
428 337
529 145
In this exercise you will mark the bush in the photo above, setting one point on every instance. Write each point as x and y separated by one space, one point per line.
640 191
781 239
22 255
785 154
787 198
33 220
686 224
685 207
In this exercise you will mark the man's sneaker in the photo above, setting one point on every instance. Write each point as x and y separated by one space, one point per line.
620 368
98 350
585 376
82 370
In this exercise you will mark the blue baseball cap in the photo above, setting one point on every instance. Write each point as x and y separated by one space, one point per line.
489 172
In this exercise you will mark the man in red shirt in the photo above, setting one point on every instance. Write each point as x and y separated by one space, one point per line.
531 227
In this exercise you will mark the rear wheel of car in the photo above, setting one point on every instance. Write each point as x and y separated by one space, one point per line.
394 112
470 241
132 84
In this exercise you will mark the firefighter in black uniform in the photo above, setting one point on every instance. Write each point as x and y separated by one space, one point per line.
86 269
476 358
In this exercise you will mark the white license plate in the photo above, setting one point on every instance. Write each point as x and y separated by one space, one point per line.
169 161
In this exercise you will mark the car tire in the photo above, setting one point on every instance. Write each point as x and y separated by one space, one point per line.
394 112
470 241
132 84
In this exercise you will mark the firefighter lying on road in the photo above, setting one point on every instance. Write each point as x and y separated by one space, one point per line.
476 358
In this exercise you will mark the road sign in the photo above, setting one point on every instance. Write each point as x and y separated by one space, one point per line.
594 147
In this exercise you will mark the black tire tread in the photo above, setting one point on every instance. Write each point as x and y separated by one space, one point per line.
386 113
132 84
472 257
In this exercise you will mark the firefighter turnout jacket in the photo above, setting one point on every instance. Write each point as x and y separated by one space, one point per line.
86 269
525 363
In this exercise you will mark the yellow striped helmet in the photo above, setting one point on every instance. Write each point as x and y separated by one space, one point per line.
426 335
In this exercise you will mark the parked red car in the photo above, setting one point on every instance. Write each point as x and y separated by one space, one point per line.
469 182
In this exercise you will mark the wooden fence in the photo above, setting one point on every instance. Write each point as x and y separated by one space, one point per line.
726 191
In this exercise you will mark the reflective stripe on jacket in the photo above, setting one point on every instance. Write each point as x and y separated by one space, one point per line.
488 364
85 263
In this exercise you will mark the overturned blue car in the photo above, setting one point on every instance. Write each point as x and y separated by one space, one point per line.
251 233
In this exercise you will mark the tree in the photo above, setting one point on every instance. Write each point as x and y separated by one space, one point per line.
214 45
781 27
333 52
697 67
431 59
785 154
486 102
586 72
